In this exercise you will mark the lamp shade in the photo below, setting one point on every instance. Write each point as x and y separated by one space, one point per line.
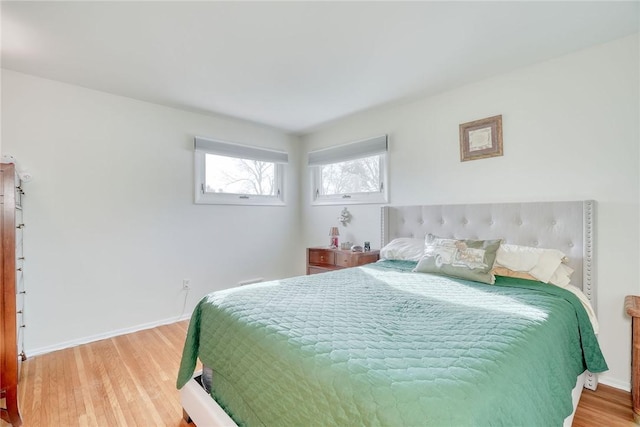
333 231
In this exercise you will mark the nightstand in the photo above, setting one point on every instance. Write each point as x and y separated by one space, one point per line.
632 307
320 260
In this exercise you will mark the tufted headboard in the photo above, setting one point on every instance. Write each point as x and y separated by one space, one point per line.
567 226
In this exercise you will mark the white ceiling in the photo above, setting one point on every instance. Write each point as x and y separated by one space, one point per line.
294 65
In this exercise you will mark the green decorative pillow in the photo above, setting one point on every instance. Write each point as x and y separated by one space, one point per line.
465 259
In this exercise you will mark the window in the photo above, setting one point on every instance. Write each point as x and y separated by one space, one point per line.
234 174
350 173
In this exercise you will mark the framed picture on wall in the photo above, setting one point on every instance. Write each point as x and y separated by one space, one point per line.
481 139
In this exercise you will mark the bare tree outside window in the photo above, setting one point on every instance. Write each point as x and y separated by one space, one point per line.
350 173
239 176
352 176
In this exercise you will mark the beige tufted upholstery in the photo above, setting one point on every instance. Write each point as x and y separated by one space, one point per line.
567 226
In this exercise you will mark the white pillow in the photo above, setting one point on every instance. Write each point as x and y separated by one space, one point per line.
540 263
403 249
562 276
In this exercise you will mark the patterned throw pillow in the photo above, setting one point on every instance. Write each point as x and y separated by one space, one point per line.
465 259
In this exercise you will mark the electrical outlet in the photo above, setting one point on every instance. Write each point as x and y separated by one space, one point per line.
186 284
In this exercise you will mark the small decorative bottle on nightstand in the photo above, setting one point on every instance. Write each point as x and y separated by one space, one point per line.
320 260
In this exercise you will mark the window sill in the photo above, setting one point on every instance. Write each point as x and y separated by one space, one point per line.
354 200
236 200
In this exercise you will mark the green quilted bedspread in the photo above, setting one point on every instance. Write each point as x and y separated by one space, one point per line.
380 345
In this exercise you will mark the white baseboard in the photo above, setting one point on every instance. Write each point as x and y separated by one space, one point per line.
105 335
622 385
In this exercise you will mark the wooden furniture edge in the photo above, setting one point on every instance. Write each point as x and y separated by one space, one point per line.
632 308
339 261
632 305
8 321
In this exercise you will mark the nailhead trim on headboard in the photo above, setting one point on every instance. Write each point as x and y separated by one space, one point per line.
588 264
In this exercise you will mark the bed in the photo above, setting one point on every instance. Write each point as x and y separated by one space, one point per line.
384 345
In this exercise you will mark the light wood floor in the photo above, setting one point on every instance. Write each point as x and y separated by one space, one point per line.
130 381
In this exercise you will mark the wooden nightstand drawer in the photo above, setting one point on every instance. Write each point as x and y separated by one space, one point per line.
321 257
317 270
344 259
320 260
354 259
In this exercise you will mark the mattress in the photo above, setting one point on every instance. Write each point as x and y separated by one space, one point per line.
380 345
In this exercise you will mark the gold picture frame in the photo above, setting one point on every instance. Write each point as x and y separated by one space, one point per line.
481 139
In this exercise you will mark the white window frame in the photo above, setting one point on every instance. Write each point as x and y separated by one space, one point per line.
204 146
352 151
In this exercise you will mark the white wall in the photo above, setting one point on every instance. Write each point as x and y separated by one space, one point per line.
111 228
570 132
